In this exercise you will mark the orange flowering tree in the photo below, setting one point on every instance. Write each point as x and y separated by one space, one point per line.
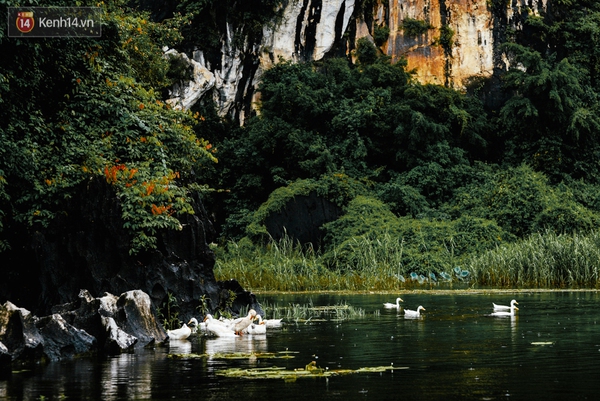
96 110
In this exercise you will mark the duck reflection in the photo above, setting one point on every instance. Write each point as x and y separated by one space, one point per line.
230 345
513 328
180 347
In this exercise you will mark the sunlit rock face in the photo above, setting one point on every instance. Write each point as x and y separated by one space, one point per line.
472 50
184 95
477 28
309 30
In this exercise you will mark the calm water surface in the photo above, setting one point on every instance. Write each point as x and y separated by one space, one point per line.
454 351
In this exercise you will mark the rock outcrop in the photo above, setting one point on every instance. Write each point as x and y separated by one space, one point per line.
302 218
108 325
88 248
185 94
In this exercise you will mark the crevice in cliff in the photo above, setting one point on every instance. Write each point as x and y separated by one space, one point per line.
447 47
344 40
245 89
494 97
339 22
298 44
309 18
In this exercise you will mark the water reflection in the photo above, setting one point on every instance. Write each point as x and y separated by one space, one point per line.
126 377
455 350
180 347
246 344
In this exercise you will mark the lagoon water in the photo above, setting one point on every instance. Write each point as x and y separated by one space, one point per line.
455 351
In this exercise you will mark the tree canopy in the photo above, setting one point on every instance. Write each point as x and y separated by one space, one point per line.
79 109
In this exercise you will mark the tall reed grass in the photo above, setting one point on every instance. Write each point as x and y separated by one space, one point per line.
543 260
304 312
285 265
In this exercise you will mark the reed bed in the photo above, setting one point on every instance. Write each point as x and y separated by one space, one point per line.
544 260
287 266
306 312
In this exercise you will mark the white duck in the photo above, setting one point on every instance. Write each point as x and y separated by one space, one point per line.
269 323
390 305
240 324
217 328
413 313
513 308
193 323
179 334
504 307
256 328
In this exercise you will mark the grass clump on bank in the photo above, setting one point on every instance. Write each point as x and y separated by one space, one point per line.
285 265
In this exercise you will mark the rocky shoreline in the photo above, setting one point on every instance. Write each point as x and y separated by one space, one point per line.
106 325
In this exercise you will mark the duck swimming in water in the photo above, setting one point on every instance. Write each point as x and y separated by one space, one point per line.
179 334
513 308
413 313
504 307
390 305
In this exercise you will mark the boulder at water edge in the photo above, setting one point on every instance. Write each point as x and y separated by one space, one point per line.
108 324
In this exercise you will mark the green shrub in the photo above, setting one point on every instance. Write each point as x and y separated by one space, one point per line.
415 27
338 188
522 201
381 34
366 52
95 112
403 200
566 218
446 38
354 241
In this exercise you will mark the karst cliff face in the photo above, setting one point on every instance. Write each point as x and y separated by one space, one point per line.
312 29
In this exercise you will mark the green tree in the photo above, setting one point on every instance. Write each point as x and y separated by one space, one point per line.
552 120
83 109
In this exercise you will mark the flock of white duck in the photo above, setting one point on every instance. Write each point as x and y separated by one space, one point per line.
252 323
499 310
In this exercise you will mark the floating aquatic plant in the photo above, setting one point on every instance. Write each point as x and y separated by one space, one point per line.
237 355
310 370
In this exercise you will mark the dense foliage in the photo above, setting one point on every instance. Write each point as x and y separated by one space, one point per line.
75 110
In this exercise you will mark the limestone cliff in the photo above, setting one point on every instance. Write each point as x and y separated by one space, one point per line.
462 40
